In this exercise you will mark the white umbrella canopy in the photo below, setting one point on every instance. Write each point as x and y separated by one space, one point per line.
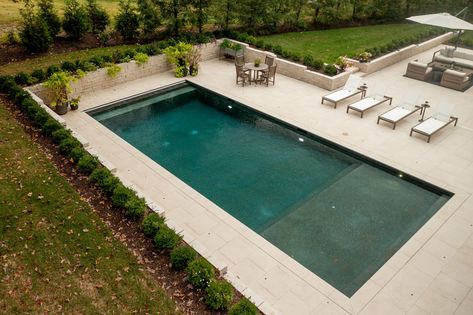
443 20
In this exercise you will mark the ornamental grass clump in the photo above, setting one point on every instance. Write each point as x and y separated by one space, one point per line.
199 273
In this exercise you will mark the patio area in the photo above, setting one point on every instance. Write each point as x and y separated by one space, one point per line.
431 273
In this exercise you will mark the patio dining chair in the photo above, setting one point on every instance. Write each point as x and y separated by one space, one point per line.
269 60
268 75
242 76
240 60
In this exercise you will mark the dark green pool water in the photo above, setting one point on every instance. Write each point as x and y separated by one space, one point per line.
337 215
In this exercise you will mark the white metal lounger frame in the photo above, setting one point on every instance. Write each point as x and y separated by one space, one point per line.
394 122
362 111
452 119
353 93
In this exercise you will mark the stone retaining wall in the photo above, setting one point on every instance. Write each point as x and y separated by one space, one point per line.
404 53
99 79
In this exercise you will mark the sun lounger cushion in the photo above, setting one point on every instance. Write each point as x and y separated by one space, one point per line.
397 113
430 125
338 95
365 103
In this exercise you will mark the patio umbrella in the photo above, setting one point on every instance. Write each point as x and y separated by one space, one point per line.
443 20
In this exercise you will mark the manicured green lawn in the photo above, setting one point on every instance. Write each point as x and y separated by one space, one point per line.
56 255
328 45
45 61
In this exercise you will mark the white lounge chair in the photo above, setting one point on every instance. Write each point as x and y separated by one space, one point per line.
398 113
351 88
369 102
433 124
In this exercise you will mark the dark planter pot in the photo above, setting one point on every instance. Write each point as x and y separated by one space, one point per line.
74 106
61 109
193 70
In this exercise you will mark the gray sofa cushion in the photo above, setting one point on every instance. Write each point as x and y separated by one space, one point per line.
463 55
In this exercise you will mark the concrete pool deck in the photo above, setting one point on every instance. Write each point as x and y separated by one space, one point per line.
431 273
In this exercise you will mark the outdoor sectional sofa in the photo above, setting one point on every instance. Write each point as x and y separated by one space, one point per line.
450 55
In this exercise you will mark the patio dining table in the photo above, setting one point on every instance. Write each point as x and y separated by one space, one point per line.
254 70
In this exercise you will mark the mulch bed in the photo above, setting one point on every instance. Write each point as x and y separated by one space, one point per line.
129 232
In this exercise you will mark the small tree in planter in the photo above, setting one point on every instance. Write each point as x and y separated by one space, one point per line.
193 59
60 84
177 55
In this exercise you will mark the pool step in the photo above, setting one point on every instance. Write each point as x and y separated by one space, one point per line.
143 103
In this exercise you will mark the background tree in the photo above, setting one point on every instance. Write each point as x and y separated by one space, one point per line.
199 13
127 21
223 11
47 13
149 16
34 33
175 13
76 21
98 17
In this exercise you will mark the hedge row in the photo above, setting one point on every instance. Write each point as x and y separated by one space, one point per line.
321 65
200 273
101 60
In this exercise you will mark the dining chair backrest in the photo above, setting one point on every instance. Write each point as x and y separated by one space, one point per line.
239 69
240 60
272 71
269 60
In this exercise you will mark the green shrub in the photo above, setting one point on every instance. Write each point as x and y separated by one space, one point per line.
199 273
166 238
35 36
268 47
141 58
50 126
52 69
87 164
27 103
41 117
6 83
32 111
317 64
259 43
97 60
219 295
38 74
330 69
243 307
16 93
21 95
22 78
76 154
277 49
104 179
48 14
68 66
60 135
307 60
75 22
127 21
121 194
135 207
151 224
68 144
181 257
107 58
285 53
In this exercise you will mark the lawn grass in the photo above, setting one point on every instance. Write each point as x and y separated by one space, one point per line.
11 10
45 61
328 45
56 255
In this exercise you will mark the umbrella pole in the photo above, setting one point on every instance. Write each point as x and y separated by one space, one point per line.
458 39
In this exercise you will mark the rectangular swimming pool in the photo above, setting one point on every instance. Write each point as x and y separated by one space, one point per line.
338 213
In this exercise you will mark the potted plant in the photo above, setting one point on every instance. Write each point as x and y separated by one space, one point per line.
74 103
177 55
193 59
59 83
364 56
257 62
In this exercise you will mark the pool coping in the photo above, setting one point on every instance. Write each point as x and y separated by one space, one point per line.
358 301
